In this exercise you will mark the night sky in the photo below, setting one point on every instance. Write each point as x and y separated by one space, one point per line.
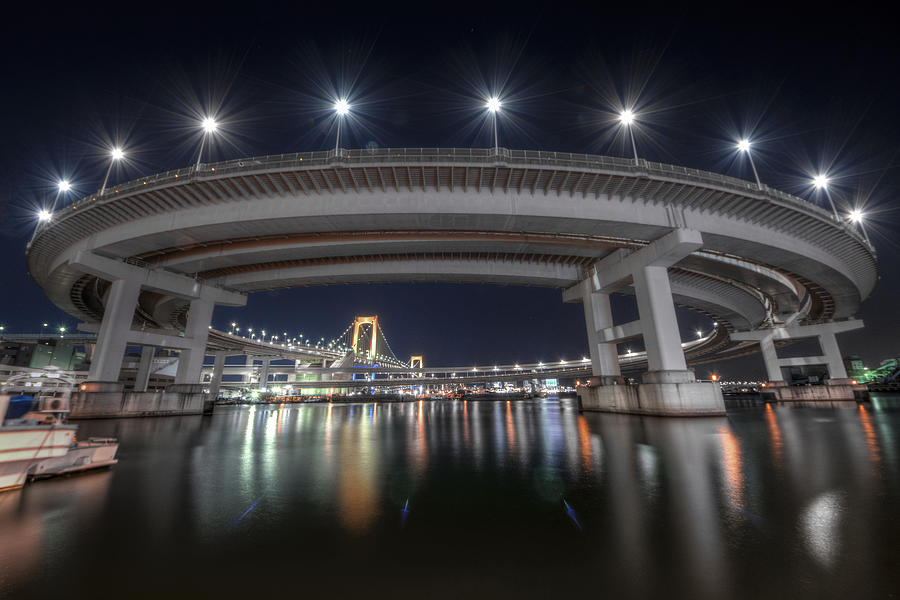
812 95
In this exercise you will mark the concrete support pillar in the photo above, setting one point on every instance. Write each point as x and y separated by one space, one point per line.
832 354
598 315
216 381
142 379
264 374
112 339
773 367
190 362
824 332
658 322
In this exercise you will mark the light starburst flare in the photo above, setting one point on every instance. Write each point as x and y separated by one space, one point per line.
342 107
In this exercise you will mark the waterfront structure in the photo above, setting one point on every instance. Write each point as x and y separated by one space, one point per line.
146 262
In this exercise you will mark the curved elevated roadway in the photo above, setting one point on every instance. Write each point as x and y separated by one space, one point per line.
457 215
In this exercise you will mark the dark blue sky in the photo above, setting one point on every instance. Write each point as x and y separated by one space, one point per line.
812 95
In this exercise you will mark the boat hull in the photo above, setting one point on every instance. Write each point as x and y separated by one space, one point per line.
93 454
23 448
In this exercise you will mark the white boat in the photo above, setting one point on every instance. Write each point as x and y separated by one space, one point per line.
95 453
35 440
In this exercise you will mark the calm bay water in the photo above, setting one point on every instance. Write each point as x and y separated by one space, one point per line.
524 498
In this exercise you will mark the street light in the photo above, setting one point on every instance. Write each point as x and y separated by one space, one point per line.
62 186
493 106
744 146
820 182
857 216
44 215
341 107
209 126
115 154
626 118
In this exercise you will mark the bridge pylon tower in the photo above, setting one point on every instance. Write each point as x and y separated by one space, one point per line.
373 343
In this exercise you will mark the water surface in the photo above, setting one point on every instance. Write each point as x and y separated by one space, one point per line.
526 499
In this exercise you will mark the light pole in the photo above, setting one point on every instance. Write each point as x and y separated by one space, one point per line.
744 146
626 118
493 106
857 216
821 183
116 154
209 126
341 107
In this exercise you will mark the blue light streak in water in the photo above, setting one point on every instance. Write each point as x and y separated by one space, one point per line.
237 521
570 512
404 513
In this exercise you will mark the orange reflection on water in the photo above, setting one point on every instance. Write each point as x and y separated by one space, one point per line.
865 420
731 455
510 429
357 493
584 440
775 432
420 456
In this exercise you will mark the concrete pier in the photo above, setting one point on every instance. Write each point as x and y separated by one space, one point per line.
108 400
832 390
668 388
662 393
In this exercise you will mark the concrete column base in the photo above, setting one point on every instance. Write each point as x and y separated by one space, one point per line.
105 400
663 393
833 390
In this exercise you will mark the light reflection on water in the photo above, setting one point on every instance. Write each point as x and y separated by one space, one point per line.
530 498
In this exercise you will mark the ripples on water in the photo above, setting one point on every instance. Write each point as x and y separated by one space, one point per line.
480 498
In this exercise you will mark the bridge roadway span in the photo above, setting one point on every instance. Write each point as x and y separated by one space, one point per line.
754 259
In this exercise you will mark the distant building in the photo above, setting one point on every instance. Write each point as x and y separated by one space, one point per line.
856 369
887 370
49 351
